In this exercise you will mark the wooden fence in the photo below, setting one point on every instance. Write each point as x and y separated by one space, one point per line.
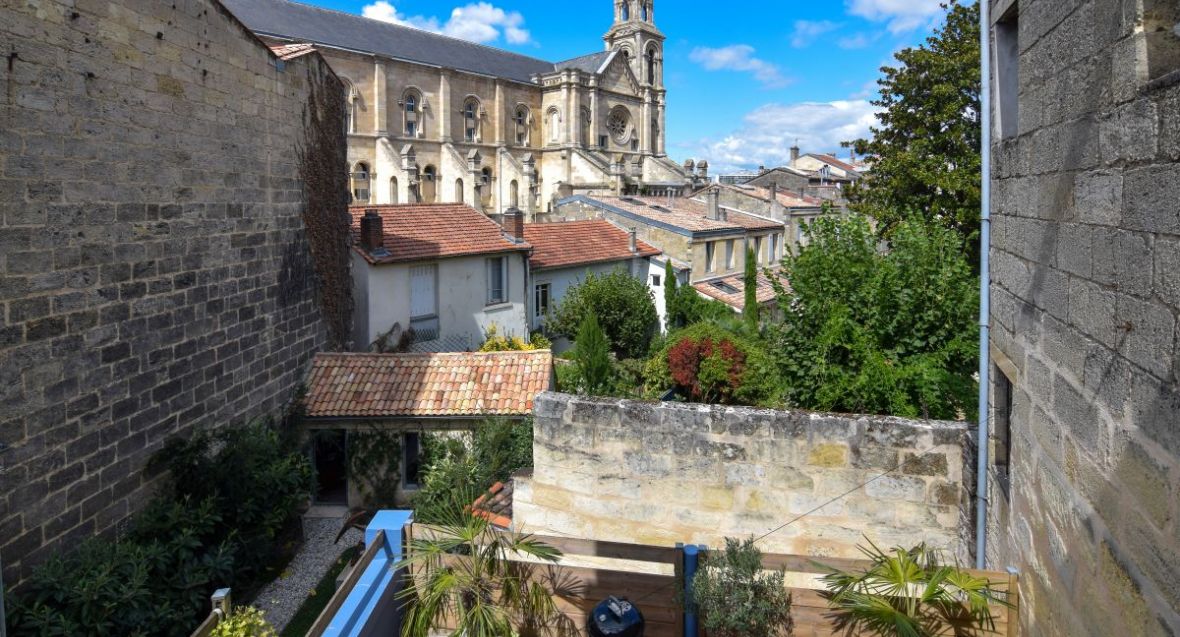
630 574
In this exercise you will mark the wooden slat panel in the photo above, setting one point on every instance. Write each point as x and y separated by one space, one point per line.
207 626
341 594
591 548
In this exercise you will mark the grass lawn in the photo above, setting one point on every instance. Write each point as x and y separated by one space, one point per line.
317 599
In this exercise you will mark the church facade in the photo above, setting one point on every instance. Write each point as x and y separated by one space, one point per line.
434 119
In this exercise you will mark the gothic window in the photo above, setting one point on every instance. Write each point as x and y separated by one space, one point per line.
643 13
485 187
514 194
554 118
458 191
413 108
429 184
521 120
471 116
651 65
626 13
393 190
351 99
587 137
619 125
360 183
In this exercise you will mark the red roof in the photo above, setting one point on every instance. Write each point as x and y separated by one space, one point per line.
731 290
828 159
424 385
417 232
569 243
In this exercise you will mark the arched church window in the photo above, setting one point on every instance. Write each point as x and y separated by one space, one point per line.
643 12
458 191
413 104
351 99
429 184
521 119
393 190
626 13
471 115
360 182
554 118
619 125
514 194
651 65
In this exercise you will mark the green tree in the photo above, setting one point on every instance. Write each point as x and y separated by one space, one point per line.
592 357
925 150
736 597
671 285
750 282
623 306
885 332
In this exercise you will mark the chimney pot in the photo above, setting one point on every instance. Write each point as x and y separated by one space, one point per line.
514 224
794 155
372 232
634 241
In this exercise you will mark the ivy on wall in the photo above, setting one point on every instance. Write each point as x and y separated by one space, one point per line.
374 459
323 169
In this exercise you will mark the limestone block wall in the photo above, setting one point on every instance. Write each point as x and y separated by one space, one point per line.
1085 301
660 473
154 270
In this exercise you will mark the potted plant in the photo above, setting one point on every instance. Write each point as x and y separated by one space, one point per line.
736 597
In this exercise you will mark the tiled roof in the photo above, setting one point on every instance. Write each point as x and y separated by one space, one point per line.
679 212
424 385
788 198
586 63
571 243
828 159
416 232
302 22
495 505
731 290
291 51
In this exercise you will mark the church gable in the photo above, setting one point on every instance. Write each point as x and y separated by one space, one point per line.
619 78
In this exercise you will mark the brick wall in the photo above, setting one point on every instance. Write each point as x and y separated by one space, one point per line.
1085 295
660 473
154 273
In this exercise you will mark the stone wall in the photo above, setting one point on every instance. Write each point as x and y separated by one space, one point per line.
660 473
1085 295
154 270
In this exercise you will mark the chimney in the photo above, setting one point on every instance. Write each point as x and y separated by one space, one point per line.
794 155
851 155
634 241
713 197
776 207
514 225
703 169
372 232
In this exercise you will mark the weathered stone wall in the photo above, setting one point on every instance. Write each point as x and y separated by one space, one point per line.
660 473
154 271
1085 295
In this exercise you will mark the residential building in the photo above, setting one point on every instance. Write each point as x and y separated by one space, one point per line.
565 252
350 396
792 208
436 119
700 235
1085 293
156 277
442 274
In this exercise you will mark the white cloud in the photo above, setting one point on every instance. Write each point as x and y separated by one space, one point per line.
768 132
479 22
902 15
807 31
739 57
856 41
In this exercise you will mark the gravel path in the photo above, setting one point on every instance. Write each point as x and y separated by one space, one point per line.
282 597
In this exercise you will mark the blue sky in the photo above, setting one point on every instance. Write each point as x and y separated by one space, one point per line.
745 79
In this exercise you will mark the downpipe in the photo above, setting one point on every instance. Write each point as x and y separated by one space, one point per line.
985 98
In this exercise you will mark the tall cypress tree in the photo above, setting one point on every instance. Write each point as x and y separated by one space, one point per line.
750 282
592 356
670 295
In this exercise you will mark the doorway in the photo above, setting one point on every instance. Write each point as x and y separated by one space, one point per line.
330 458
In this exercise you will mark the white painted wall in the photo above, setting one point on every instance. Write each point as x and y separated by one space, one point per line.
561 280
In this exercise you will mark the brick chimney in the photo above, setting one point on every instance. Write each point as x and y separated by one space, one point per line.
776 207
513 225
372 232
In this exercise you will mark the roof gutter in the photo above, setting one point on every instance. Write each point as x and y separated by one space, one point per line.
981 478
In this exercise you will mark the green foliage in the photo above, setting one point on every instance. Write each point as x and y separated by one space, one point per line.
373 462
687 307
462 465
592 358
926 149
908 593
489 583
750 282
244 622
866 331
671 288
622 304
496 342
725 366
213 524
736 598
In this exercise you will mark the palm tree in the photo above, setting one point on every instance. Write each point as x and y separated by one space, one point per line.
908 593
476 581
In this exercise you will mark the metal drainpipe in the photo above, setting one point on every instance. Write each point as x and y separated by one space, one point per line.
691 552
981 479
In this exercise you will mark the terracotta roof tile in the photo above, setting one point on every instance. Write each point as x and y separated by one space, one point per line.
292 51
829 159
399 385
416 232
731 290
569 243
679 212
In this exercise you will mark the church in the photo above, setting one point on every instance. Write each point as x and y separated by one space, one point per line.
435 119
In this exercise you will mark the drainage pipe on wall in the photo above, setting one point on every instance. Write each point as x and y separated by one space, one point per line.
985 99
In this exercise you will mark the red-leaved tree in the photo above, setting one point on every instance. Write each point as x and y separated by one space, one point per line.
708 371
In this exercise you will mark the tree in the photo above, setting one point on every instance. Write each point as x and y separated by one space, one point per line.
623 306
866 331
750 282
592 357
926 148
671 285
710 363
737 598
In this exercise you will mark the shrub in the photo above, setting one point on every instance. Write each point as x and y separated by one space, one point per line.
736 598
592 358
709 362
244 622
688 307
623 305
496 342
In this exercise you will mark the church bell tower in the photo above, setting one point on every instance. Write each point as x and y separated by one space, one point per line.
634 33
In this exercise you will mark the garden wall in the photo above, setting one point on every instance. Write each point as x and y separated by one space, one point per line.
661 473
155 270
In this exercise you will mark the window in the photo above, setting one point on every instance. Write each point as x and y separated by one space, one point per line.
458 191
412 450
709 256
619 124
1001 427
651 64
413 102
351 99
1007 63
655 280
757 249
360 183
643 13
602 141
429 184
471 115
497 280
393 190
625 14
774 241
541 304
729 254
514 194
521 120
635 144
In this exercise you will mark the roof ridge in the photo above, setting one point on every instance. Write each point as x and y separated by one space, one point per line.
404 26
